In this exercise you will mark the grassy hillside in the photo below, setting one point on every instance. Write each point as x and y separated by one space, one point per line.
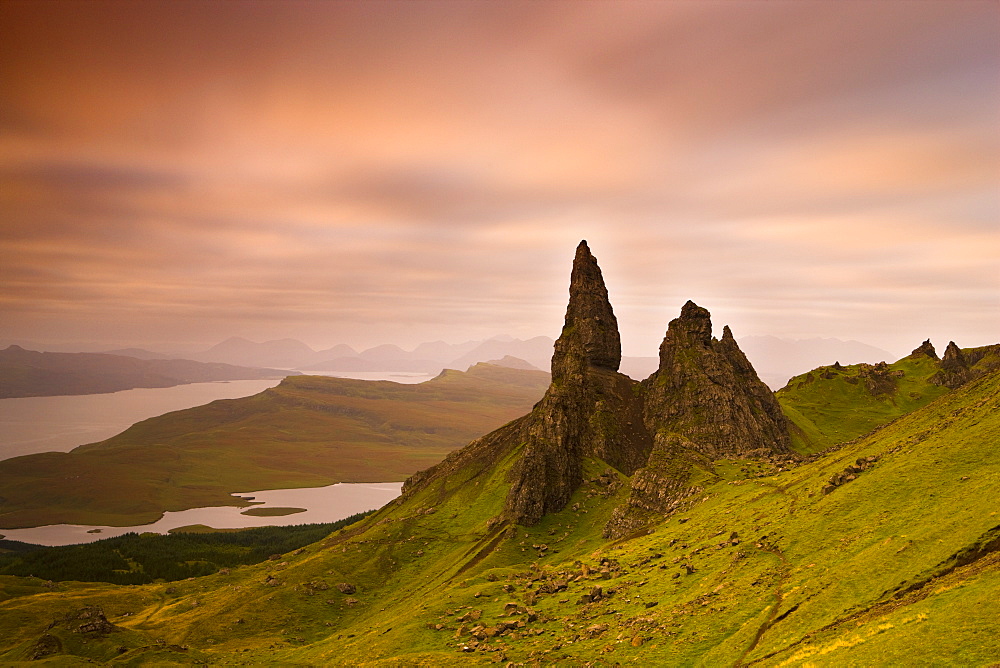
834 404
307 431
780 568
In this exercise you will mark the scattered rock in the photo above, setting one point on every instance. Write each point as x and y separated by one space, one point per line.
595 630
47 645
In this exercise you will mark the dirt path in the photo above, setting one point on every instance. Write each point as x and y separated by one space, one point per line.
772 616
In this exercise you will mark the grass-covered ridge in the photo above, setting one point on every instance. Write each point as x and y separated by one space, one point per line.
765 570
307 431
834 404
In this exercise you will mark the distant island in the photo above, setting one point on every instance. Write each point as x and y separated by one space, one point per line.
28 373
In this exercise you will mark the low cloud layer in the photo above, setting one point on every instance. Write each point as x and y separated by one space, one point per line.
176 173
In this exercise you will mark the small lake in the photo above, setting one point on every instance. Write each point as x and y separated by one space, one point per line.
322 504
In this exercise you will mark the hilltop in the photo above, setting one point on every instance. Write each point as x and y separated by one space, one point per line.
837 403
307 431
667 522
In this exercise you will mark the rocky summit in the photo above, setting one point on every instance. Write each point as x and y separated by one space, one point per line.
704 402
707 390
589 410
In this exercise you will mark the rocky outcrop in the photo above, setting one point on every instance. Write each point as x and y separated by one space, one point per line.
925 349
707 390
659 488
590 334
879 378
850 473
958 367
704 402
590 410
955 370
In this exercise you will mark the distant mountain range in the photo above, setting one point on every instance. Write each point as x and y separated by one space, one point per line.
28 373
426 358
775 359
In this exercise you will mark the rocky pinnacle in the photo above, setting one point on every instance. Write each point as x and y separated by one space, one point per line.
707 390
704 402
590 333
590 410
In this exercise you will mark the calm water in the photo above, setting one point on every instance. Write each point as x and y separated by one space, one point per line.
45 424
322 504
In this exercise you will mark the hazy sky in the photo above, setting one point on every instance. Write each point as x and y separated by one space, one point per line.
396 172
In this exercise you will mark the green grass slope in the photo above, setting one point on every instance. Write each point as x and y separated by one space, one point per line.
307 431
834 404
896 564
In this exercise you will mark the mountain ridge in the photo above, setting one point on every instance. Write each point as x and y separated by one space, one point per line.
29 373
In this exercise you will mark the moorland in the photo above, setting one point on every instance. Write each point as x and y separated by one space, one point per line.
694 518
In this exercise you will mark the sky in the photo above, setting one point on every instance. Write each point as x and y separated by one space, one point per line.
176 173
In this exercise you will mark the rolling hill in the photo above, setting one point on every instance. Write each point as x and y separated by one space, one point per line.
667 522
307 431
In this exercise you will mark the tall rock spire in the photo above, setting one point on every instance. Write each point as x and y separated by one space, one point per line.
590 410
590 333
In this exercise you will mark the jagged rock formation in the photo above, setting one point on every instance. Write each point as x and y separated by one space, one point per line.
660 487
590 410
590 334
707 390
955 369
704 402
926 348
959 367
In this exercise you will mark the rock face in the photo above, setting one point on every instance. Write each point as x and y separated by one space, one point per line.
590 410
959 367
704 402
590 335
707 390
